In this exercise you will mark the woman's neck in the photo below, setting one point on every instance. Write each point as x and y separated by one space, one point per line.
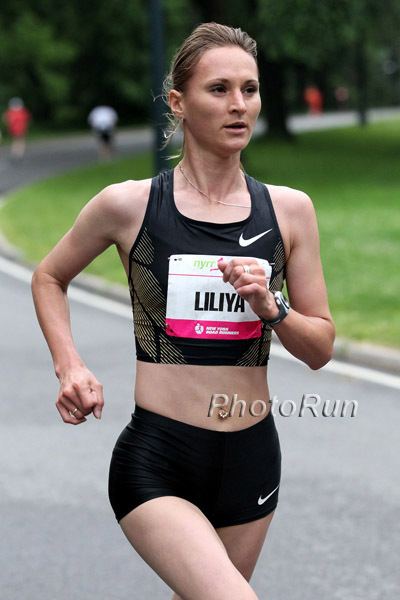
214 177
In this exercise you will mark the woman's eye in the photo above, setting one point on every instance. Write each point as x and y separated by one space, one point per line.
218 88
251 90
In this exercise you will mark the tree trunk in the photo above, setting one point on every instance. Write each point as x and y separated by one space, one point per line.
361 80
272 76
212 10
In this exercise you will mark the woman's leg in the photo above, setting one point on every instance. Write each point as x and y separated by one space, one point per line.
249 490
176 539
244 543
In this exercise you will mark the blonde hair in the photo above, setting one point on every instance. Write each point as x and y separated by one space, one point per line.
203 38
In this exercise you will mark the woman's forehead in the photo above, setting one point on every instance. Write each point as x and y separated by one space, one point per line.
226 62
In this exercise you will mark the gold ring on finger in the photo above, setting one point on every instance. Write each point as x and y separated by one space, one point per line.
72 413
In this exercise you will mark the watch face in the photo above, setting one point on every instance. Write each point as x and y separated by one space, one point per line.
285 302
281 300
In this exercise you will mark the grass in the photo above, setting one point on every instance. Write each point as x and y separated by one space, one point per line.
353 177
351 174
37 216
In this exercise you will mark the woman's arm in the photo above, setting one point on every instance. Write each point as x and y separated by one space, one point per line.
95 228
308 331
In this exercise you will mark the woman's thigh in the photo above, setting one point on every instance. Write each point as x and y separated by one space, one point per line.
244 542
176 539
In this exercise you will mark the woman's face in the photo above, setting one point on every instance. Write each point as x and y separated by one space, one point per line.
221 101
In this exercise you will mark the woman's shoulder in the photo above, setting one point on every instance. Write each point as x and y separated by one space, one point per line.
126 192
123 200
116 208
294 211
290 203
289 199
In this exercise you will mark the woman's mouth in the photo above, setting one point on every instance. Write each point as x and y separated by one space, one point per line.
238 126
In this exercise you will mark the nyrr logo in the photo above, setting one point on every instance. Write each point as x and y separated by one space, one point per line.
199 328
202 264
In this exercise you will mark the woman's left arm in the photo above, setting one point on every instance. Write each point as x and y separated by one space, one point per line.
308 331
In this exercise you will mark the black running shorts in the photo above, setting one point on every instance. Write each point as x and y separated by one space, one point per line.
232 476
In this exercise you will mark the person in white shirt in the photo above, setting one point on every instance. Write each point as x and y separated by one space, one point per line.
103 119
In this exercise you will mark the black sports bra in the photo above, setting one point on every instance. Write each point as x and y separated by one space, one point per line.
183 312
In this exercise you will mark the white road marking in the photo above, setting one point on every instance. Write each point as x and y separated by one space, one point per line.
74 293
346 369
122 310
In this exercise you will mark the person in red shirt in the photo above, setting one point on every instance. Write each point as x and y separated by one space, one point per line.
314 100
17 119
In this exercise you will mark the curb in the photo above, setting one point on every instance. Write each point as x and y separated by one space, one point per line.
363 354
84 281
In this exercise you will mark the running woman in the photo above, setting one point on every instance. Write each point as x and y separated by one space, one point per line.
194 477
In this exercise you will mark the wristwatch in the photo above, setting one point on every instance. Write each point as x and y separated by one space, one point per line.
283 306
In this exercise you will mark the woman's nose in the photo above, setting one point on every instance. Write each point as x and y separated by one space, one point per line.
238 103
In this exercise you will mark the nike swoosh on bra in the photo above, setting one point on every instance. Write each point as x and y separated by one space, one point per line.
244 242
262 500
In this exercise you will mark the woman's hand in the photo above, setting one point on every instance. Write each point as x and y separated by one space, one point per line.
251 284
80 394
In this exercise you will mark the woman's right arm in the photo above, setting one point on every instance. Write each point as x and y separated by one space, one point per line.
96 227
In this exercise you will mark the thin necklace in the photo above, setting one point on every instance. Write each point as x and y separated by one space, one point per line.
206 195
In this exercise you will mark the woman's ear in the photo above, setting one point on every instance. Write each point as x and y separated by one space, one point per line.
175 101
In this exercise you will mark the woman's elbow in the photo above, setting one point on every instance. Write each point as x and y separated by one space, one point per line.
320 361
35 279
325 351
41 277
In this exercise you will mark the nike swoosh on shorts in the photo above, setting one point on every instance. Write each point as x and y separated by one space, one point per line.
244 242
262 500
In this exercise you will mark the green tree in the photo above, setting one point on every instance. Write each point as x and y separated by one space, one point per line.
306 38
64 58
32 59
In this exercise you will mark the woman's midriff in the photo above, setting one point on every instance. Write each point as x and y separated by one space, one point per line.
197 394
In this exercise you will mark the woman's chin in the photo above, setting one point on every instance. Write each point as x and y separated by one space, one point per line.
234 146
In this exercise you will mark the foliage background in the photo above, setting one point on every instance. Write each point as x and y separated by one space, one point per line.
64 58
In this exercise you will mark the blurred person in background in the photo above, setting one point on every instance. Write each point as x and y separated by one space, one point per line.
17 119
342 97
102 120
314 100
206 249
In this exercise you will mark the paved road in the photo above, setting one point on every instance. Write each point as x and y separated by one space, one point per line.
335 535
49 157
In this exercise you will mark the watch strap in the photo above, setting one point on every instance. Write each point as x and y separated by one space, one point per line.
283 307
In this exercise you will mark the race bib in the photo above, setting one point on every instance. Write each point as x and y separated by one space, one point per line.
201 305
